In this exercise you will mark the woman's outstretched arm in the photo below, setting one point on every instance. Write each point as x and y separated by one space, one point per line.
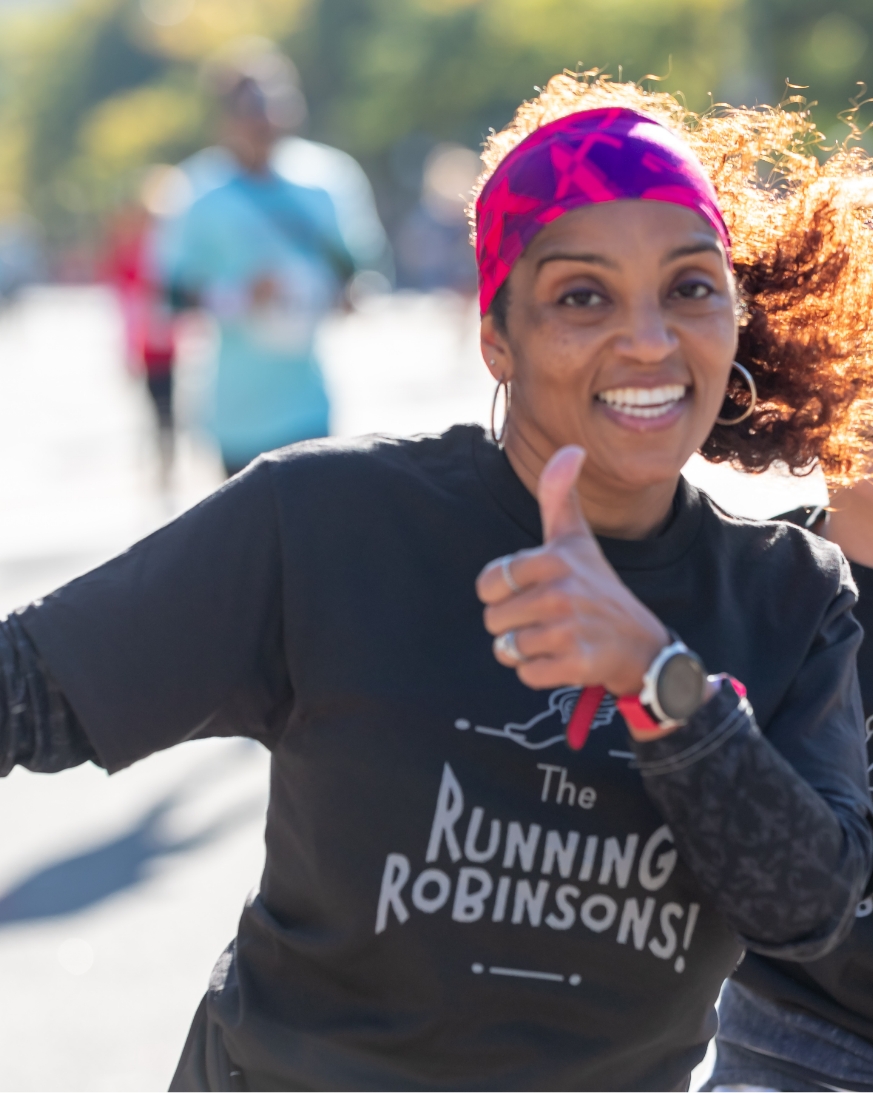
38 728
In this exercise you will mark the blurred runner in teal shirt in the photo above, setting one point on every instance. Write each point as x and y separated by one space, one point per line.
266 257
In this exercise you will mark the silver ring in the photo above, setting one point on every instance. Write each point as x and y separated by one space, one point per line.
505 644
506 570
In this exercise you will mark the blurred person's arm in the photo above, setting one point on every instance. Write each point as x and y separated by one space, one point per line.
196 272
849 522
185 259
328 239
308 163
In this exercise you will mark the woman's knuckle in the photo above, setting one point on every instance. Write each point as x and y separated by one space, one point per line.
531 674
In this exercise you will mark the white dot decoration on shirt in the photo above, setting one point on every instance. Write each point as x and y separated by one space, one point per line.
524 973
462 723
680 964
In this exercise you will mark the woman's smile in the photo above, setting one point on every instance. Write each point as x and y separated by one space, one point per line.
642 409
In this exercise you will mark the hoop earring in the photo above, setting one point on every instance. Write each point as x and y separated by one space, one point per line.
753 399
507 396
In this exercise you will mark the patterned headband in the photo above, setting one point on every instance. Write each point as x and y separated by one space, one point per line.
583 159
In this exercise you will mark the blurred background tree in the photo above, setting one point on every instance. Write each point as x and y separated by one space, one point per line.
93 91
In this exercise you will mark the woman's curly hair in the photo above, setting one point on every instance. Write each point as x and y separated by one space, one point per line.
800 223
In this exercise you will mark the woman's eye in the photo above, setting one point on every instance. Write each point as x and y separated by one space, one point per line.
583 297
693 290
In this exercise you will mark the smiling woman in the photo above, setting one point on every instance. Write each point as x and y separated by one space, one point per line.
799 269
458 894
621 322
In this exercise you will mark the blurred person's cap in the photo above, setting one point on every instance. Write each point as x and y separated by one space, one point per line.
450 171
253 79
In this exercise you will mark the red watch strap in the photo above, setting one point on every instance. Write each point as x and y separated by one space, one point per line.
636 717
629 706
579 725
740 688
634 714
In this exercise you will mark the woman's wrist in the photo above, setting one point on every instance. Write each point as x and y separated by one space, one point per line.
628 679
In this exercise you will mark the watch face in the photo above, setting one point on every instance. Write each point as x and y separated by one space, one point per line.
681 686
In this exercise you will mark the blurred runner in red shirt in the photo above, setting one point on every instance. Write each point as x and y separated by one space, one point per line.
148 320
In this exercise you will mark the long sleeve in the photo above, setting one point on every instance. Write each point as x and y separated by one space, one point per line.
784 848
38 728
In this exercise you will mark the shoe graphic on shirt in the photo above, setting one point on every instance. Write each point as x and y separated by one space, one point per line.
548 727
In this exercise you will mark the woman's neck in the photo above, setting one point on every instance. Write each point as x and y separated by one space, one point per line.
612 509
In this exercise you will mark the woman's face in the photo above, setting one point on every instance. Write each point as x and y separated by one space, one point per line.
621 329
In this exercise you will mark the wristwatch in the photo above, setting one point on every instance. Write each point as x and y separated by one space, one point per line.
674 688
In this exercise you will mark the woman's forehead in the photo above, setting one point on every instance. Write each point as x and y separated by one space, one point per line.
620 226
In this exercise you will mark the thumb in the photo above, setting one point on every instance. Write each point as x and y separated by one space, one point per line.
556 493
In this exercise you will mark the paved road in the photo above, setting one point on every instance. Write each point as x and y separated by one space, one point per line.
116 895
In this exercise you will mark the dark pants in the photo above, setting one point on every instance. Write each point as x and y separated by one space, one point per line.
772 1045
160 385
740 1066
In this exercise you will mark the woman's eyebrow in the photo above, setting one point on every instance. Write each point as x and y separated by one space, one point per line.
591 259
692 248
701 247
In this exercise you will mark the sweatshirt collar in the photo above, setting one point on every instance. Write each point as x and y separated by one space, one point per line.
520 505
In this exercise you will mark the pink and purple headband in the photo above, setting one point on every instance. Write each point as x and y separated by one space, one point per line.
612 154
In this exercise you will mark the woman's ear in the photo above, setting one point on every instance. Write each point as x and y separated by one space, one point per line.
495 350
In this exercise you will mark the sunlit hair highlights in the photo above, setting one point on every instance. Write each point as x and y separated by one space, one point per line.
800 221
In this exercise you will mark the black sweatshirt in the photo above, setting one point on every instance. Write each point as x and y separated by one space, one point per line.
452 899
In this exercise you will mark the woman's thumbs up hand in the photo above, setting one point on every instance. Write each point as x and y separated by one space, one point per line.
560 614
556 492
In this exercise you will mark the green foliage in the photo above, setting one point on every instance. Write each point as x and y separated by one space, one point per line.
826 48
137 126
92 91
378 69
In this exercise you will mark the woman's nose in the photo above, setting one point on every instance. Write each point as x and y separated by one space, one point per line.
646 335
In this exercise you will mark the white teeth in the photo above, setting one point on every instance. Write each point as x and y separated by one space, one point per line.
643 401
